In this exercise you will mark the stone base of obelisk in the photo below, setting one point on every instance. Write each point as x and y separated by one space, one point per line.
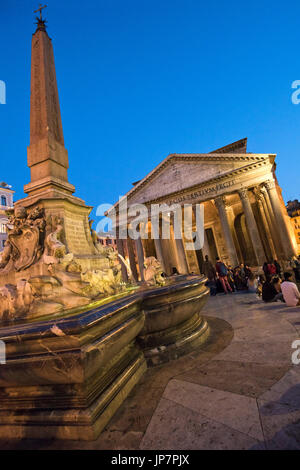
66 378
75 216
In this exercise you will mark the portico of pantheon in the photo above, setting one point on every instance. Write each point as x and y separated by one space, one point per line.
245 218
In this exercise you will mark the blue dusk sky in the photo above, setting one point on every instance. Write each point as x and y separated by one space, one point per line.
141 79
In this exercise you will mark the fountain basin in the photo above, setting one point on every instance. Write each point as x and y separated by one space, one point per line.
173 325
66 376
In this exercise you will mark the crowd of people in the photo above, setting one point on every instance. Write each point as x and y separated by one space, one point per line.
272 286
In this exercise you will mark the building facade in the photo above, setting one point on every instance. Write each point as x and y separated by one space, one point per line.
107 239
6 203
245 218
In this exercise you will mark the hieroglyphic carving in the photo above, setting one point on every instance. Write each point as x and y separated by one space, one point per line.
45 111
36 121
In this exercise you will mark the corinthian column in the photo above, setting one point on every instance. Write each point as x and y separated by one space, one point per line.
140 255
182 263
121 251
159 253
140 251
132 261
272 223
267 226
252 227
280 219
179 245
220 202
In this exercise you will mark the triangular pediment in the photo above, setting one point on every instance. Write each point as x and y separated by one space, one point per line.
179 172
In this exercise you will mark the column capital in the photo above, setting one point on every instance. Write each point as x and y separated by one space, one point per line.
257 194
220 201
269 184
243 193
263 190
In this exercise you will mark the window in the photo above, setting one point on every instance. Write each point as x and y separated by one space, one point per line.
3 201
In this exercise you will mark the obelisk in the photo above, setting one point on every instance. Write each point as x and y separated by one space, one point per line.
49 187
47 155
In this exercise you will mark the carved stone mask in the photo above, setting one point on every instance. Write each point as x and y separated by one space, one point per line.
20 212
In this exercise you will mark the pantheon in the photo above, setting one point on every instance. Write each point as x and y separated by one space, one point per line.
245 218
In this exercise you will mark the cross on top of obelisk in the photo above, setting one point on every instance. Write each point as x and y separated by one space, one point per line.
40 10
41 24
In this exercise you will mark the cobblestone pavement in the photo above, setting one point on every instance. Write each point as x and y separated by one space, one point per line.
240 391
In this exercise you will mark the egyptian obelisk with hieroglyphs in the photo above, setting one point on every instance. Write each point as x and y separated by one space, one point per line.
49 187
47 156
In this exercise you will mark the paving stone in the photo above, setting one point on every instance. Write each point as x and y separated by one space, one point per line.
245 378
176 427
262 352
286 390
281 425
236 411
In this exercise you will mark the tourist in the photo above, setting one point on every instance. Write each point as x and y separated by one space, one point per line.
290 291
261 281
269 292
239 281
222 274
209 269
277 283
242 274
278 268
265 269
230 277
295 263
212 286
247 271
242 270
252 283
271 269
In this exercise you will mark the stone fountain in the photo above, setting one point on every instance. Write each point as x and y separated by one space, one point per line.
77 339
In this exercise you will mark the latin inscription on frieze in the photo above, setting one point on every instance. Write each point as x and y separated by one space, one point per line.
203 192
